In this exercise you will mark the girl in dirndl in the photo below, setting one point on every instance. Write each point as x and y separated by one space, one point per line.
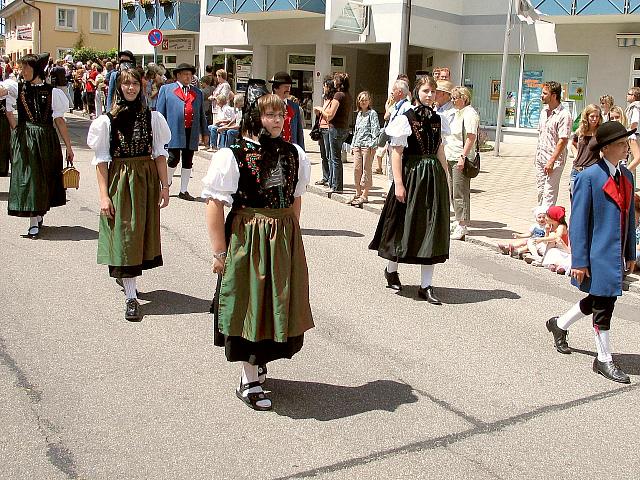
130 159
36 157
414 223
261 306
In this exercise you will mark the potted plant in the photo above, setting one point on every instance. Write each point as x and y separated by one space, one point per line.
128 4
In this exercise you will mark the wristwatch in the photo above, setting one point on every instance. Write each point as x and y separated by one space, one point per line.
220 256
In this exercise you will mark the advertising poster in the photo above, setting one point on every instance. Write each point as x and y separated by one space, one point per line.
495 90
576 88
531 105
510 110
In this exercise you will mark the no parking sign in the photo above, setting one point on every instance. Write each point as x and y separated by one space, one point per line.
155 37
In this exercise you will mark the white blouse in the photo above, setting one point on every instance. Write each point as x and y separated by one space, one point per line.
99 137
221 180
398 131
59 103
12 93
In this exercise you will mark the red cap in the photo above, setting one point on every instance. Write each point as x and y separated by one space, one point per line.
556 213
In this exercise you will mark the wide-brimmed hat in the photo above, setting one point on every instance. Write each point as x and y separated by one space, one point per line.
444 86
281 77
608 133
184 66
127 53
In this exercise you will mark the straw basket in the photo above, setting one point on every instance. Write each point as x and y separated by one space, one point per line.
70 176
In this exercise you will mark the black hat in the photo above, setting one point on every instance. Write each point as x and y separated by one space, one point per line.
127 53
184 66
608 133
280 78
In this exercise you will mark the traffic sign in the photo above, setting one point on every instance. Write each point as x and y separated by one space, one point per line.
155 37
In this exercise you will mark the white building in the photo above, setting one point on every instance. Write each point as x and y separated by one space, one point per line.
589 47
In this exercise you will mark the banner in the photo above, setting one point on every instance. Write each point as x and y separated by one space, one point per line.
531 104
177 44
24 32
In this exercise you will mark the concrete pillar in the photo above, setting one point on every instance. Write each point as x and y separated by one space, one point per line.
321 69
259 62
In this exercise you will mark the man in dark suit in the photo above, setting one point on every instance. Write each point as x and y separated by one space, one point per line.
603 243
293 131
183 106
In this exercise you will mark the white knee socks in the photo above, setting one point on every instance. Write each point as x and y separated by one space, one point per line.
572 316
170 172
392 267
33 222
185 175
130 287
427 275
602 345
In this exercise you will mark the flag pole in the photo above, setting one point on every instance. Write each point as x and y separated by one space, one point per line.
503 80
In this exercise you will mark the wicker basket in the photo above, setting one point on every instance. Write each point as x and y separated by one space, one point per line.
71 177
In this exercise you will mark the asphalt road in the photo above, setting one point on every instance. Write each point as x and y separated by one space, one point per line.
386 386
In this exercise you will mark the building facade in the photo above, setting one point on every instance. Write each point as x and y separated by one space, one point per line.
589 47
57 26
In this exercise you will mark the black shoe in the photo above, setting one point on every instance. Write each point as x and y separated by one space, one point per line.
559 336
427 294
321 182
393 280
33 233
611 371
132 310
186 196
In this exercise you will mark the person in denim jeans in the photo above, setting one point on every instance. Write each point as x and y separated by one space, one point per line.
328 90
337 115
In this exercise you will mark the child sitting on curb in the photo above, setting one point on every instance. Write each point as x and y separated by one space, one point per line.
557 236
519 247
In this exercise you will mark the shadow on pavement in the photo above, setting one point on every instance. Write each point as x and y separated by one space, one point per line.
66 233
324 402
165 302
313 232
459 296
628 362
4 196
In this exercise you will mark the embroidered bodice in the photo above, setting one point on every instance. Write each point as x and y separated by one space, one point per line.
35 103
132 140
425 135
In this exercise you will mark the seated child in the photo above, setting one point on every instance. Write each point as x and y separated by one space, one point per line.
228 133
226 115
536 230
557 235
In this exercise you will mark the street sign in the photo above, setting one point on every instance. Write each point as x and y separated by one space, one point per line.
155 37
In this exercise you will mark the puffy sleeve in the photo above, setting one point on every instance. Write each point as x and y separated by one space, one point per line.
398 131
304 172
221 180
98 139
59 103
12 89
161 135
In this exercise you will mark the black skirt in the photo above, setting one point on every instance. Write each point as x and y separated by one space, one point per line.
417 231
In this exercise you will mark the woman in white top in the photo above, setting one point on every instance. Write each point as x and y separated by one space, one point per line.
130 158
460 143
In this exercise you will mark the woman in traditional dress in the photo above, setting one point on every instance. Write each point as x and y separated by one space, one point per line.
261 306
414 223
36 163
130 158
8 95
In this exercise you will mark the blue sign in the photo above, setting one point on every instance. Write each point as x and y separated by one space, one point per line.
531 104
155 37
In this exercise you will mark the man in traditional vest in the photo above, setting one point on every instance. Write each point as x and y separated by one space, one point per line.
293 121
183 106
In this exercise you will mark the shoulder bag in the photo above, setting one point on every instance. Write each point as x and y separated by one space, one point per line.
471 166
315 133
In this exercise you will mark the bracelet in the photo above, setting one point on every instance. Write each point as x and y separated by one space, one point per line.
164 188
220 256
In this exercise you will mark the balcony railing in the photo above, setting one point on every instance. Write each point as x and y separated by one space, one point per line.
168 15
587 7
237 8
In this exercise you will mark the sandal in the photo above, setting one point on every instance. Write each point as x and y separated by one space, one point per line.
352 201
251 399
262 374
358 202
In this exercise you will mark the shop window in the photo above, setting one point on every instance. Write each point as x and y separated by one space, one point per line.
66 19
635 71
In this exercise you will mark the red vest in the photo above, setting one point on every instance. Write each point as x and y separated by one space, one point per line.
188 105
288 116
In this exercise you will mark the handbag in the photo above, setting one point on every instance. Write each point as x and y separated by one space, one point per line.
471 166
70 176
315 133
349 138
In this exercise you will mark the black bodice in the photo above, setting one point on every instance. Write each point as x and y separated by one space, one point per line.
35 103
265 189
131 135
426 133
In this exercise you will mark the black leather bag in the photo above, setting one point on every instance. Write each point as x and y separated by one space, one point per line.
349 138
315 133
471 166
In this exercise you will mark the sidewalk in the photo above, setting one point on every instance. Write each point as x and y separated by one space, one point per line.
503 195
